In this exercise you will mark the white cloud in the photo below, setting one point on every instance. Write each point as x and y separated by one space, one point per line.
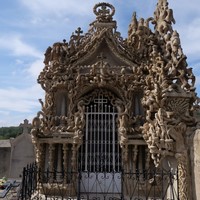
20 100
19 104
35 68
4 112
184 7
17 46
19 61
59 7
190 38
197 85
13 119
195 66
198 81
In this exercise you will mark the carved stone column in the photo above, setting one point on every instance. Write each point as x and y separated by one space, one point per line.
183 183
135 153
51 158
59 162
130 167
40 155
74 157
65 149
59 156
124 150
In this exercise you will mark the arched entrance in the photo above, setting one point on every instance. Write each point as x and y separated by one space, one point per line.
100 153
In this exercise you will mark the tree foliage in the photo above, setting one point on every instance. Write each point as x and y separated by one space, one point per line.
10 132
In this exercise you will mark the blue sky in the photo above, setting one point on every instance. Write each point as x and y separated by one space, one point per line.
28 27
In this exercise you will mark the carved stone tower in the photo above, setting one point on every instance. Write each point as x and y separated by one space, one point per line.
117 105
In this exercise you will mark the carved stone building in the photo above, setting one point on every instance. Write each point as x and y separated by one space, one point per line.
118 105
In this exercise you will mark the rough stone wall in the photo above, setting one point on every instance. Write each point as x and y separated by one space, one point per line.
4 161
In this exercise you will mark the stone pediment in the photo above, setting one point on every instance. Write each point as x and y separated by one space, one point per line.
110 51
101 37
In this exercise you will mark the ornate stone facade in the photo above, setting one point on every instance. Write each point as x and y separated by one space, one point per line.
145 76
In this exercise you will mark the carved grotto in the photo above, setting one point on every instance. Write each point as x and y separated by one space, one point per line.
117 104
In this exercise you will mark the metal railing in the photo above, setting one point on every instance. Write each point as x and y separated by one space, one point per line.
139 185
29 181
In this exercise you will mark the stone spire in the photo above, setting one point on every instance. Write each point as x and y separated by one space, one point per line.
163 18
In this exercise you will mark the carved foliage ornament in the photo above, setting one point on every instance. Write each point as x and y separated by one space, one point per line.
153 62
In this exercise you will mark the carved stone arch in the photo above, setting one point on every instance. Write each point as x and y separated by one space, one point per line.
109 91
124 108
117 101
90 94
98 105
86 94
84 97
